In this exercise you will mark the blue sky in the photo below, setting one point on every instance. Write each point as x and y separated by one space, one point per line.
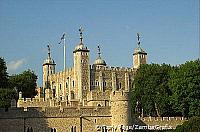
169 31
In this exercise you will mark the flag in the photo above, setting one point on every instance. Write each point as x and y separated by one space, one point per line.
63 36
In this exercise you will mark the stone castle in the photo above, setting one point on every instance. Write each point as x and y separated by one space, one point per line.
84 98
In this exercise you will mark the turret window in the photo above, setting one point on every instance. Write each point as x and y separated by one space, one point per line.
60 87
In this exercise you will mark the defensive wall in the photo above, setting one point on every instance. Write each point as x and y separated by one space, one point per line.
82 119
62 119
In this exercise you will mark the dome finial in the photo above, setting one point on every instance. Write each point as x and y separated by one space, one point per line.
138 39
81 34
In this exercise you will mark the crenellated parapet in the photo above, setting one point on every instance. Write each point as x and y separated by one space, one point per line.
98 95
110 68
68 71
120 95
54 112
33 102
170 122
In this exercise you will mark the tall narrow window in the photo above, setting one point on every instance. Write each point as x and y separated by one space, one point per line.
66 85
73 84
72 129
120 85
75 129
54 93
60 86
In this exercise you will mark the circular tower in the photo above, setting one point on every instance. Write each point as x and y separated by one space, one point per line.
120 109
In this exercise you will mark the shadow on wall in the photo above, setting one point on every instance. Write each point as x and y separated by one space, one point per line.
23 120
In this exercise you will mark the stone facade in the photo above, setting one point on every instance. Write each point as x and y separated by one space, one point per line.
84 98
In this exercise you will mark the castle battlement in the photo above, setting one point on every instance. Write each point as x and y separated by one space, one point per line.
61 73
54 112
98 95
120 95
163 119
32 102
110 68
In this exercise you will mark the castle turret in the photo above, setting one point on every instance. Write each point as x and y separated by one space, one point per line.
48 69
139 55
99 61
120 109
81 69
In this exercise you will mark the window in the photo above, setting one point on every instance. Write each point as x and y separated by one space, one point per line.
30 129
53 130
60 86
73 84
54 93
105 84
120 85
66 85
72 95
72 129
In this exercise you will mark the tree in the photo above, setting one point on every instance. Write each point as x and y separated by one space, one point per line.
185 85
3 74
192 125
150 93
6 95
24 82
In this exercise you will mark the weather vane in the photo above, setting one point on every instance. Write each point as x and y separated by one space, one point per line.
99 50
48 50
138 38
81 34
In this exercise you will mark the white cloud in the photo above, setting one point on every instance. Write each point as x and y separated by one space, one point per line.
14 65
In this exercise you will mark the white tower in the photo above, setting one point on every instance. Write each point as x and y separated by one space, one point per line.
81 69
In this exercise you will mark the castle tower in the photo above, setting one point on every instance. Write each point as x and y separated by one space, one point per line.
139 55
48 69
81 69
120 109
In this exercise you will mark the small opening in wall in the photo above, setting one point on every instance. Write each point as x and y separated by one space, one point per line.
99 105
95 120
73 84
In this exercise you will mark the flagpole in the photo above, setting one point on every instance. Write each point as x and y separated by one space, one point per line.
64 53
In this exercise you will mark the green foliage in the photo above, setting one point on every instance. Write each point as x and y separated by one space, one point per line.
3 74
24 82
192 125
6 95
185 85
150 85
162 90
9 86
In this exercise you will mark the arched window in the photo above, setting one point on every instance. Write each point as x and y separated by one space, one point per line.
72 95
72 129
